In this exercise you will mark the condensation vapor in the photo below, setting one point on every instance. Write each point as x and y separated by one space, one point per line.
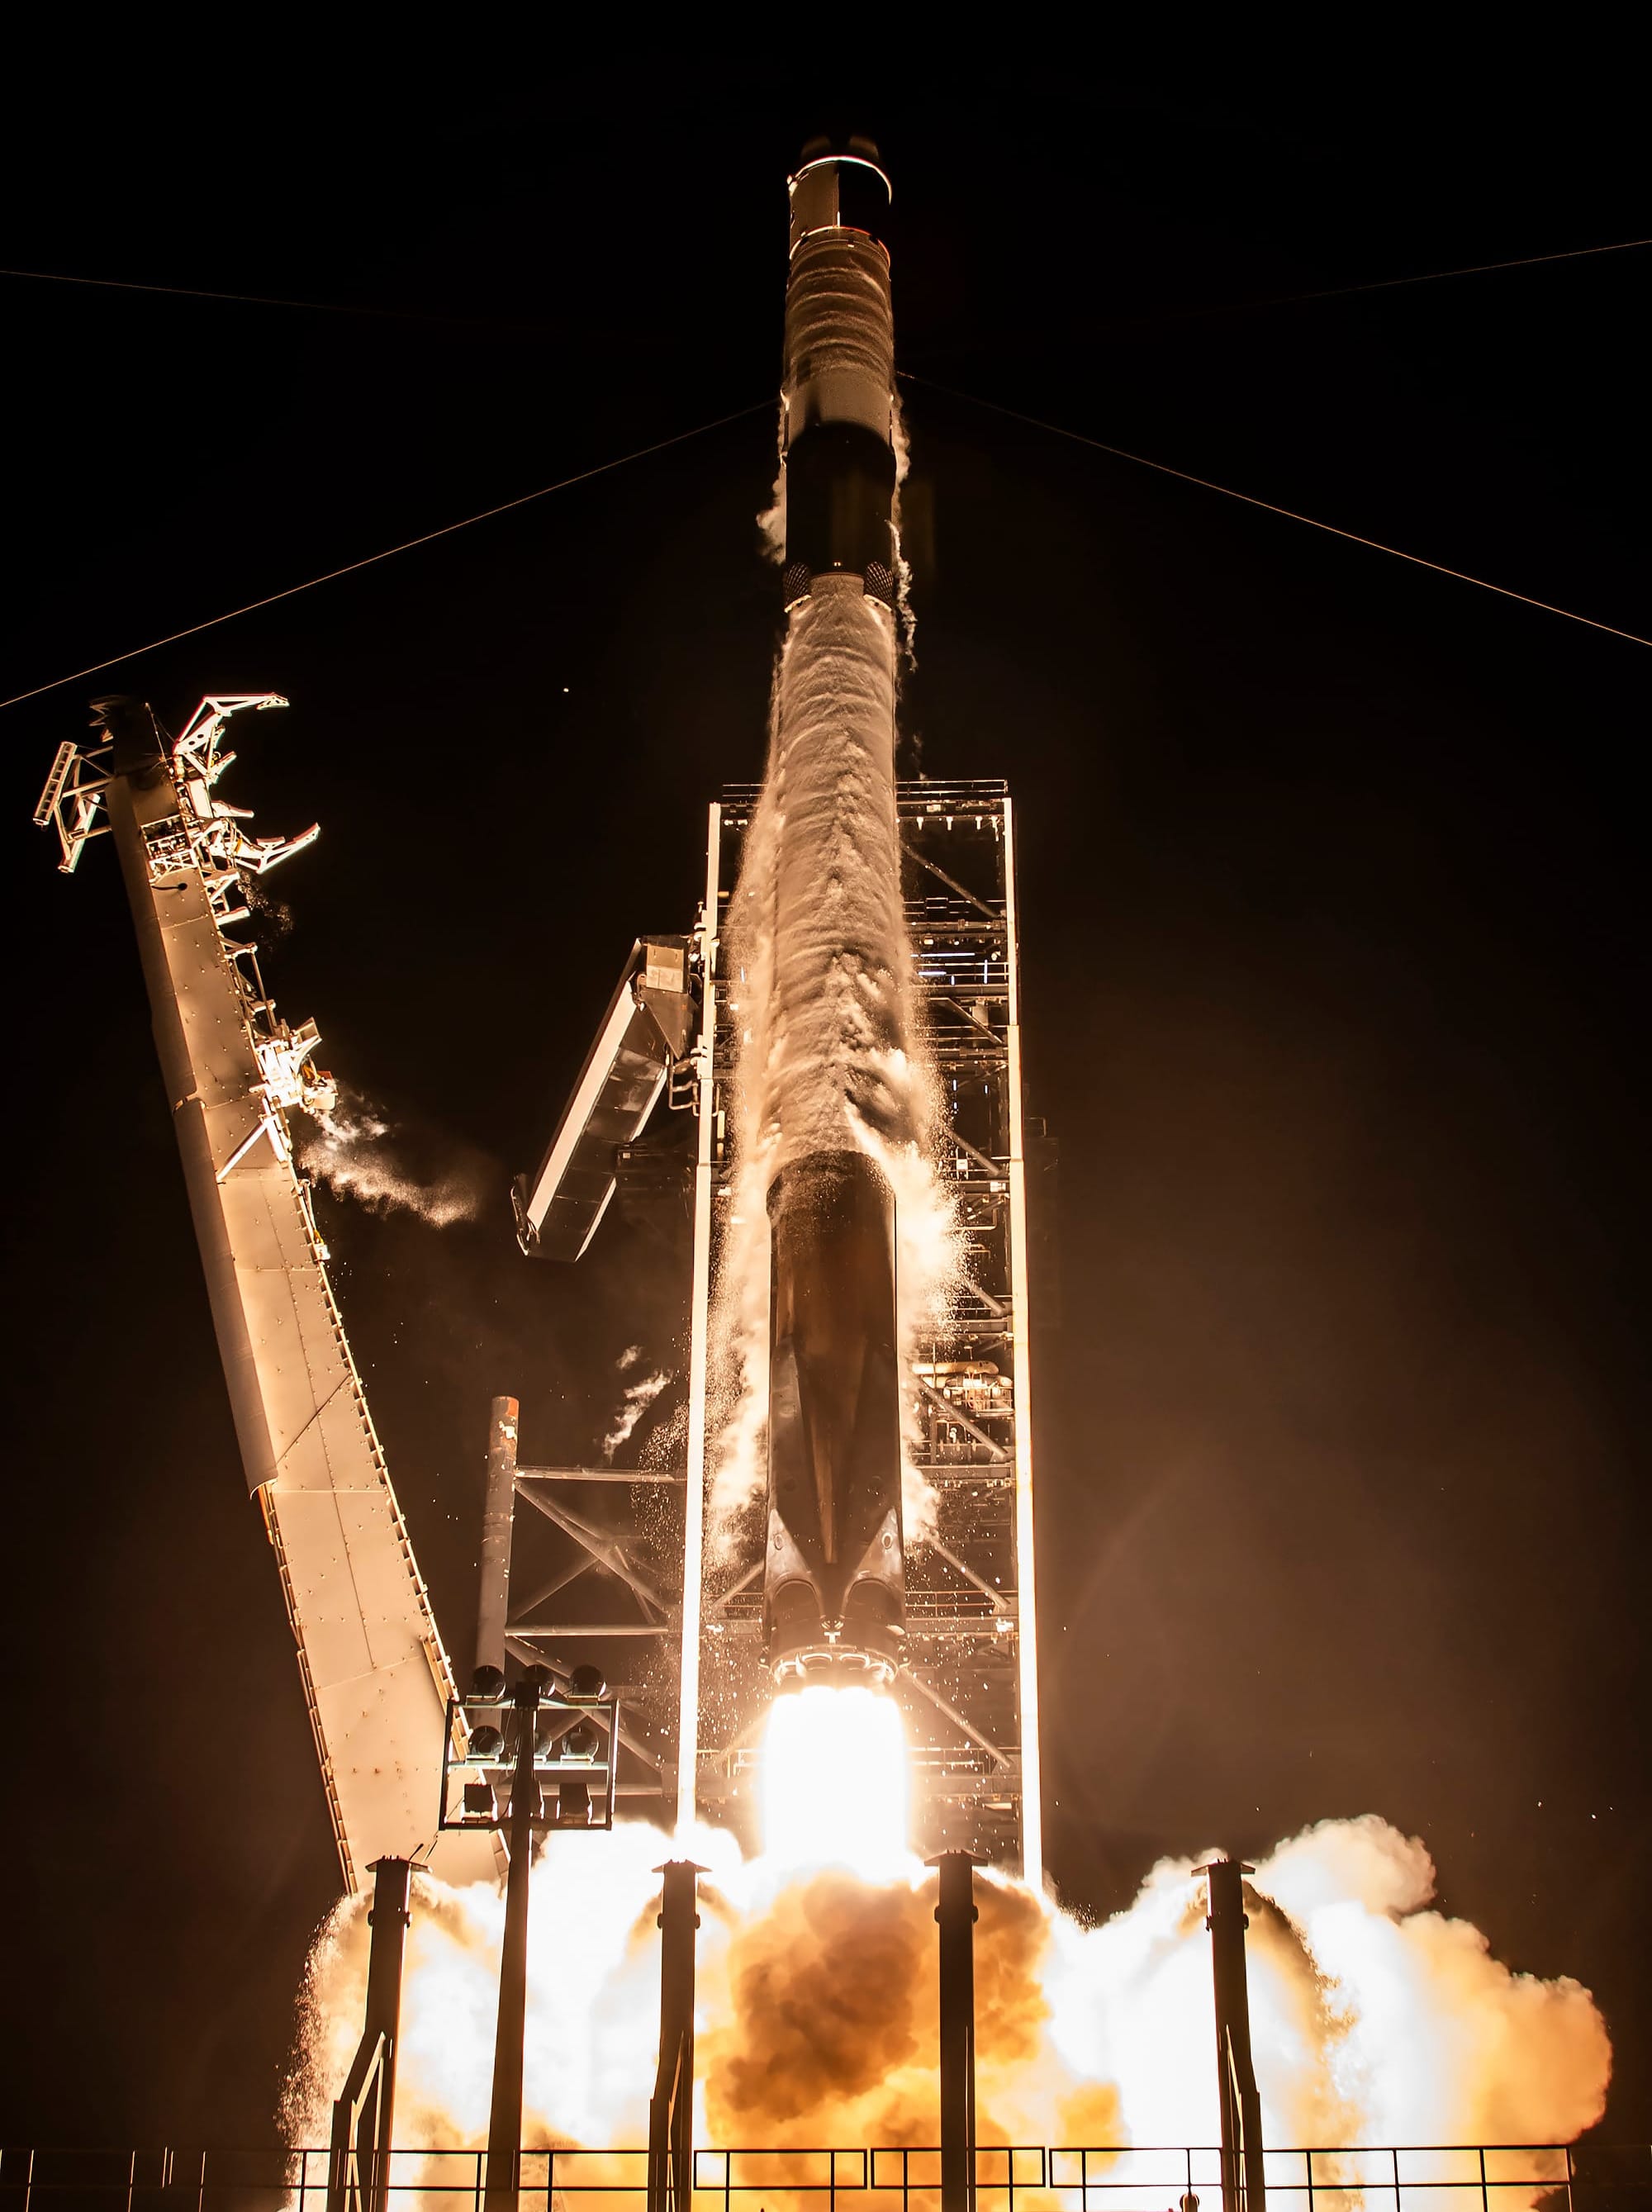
635 1402
830 1037
361 1152
1376 2018
830 1040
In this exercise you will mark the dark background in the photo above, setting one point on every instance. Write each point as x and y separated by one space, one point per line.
1330 871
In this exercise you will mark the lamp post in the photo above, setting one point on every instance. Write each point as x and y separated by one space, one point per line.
505 2114
548 1753
364 2115
956 1914
1244 2181
671 2112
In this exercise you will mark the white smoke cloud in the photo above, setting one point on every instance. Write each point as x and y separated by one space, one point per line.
360 1152
637 1399
1376 2020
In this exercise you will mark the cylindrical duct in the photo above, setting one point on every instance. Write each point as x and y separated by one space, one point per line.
493 1597
1244 2179
956 1914
671 2112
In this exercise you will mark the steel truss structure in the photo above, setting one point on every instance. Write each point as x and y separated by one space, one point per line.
969 1688
376 1679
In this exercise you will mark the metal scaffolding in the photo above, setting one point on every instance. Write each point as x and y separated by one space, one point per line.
969 1687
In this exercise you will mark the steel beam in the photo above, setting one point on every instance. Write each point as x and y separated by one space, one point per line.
604 1548
955 1915
1032 1831
705 1182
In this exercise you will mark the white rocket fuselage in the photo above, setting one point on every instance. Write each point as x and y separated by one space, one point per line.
825 856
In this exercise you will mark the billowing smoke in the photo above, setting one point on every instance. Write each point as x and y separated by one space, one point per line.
1376 2020
361 1152
825 2031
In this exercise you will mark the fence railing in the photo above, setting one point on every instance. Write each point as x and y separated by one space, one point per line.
1008 2177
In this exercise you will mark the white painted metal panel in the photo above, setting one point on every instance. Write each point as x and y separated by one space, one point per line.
376 1676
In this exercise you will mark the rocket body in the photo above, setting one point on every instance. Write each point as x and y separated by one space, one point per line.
830 877
833 1587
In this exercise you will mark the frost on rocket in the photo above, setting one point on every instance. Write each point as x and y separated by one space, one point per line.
829 1029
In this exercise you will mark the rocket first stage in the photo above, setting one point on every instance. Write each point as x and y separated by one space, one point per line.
834 1572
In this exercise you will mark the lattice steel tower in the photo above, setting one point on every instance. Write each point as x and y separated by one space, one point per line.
969 1687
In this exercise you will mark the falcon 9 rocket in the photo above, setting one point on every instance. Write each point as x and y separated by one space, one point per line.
834 1572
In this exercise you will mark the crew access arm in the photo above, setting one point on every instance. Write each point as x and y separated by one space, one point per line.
376 1678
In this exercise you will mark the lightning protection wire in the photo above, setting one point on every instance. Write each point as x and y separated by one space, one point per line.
368 560
234 299
482 323
1267 506
1427 277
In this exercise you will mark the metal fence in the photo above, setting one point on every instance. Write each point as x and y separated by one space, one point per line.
1008 2177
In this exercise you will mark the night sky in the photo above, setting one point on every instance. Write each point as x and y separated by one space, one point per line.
1333 942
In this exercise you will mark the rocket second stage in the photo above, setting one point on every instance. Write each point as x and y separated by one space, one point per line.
834 1574
840 382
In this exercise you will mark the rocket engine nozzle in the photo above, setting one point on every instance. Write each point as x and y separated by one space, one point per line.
834 1578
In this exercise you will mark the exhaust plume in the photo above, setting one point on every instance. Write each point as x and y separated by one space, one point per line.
1375 2018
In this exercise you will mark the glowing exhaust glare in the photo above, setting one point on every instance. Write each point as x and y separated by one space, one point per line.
836 1789
1375 2018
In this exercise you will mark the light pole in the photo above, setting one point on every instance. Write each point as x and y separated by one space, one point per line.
1244 2182
549 1753
671 2112
956 1915
364 2115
